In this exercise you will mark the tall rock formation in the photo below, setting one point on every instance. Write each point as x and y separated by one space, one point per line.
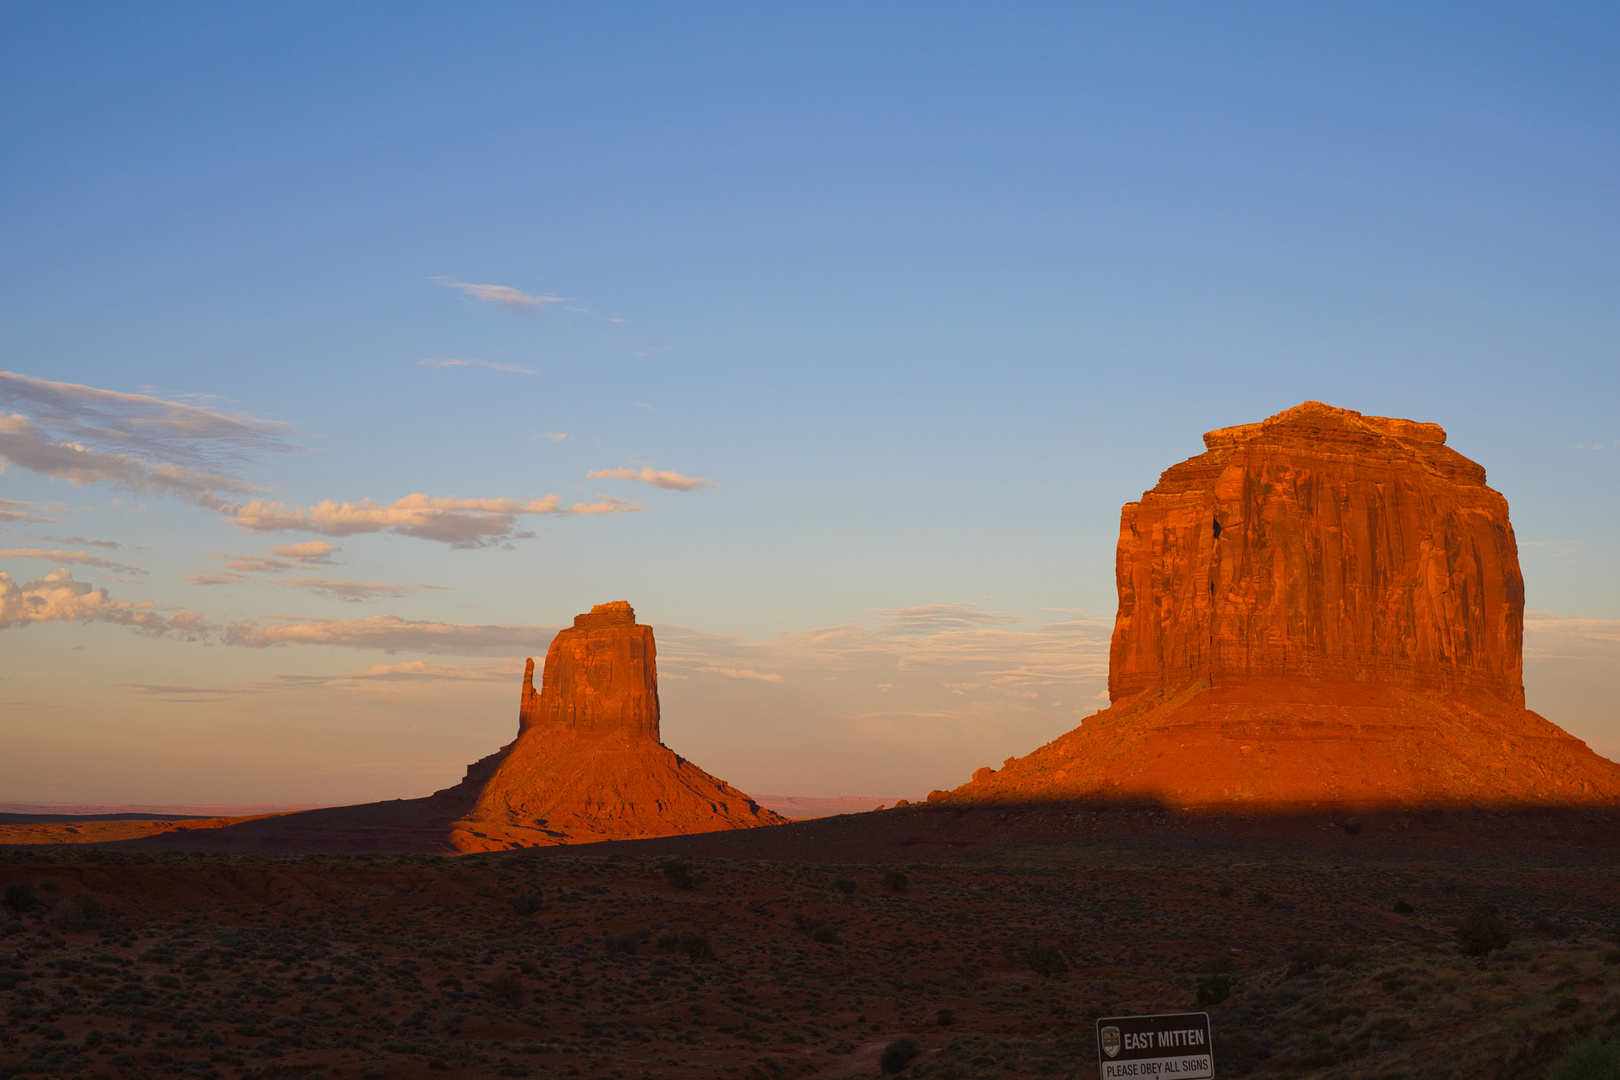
1322 607
588 763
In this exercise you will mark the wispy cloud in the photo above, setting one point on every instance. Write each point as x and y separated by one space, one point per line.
440 365
15 509
671 481
57 597
502 295
932 618
414 671
550 436
109 544
185 695
389 633
77 558
310 552
739 673
86 435
462 523
350 591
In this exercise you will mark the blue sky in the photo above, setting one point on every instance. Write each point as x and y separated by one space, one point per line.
925 291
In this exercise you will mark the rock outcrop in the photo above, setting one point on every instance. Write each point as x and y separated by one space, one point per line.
588 763
1322 607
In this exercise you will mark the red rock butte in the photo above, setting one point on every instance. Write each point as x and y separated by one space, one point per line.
588 763
1321 608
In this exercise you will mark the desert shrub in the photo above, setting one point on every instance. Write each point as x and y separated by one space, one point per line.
19 897
77 912
844 885
826 934
12 928
678 872
1260 899
1223 965
695 947
898 1054
526 904
1482 931
1306 960
621 943
1591 1059
1214 990
1402 908
1045 960
895 880
507 988
945 1018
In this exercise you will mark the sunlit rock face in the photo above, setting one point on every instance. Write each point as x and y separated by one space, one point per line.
1322 608
1320 544
587 764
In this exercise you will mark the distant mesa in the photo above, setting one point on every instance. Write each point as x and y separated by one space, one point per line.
1323 607
587 765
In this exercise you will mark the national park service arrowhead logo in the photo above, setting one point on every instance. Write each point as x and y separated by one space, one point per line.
1110 1041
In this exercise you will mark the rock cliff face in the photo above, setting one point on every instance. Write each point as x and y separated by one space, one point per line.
587 763
1324 607
1320 544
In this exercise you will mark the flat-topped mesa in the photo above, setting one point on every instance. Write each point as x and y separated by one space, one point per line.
1320 544
601 677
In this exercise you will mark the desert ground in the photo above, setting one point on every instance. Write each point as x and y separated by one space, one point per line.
621 961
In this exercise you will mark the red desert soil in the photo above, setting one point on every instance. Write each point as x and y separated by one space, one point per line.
542 963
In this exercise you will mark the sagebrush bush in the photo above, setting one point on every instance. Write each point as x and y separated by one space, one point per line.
678 873
507 988
526 904
1483 931
77 912
1591 1059
19 897
895 880
1047 961
1214 990
898 1054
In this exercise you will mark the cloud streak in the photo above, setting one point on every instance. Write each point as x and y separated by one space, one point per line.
14 510
461 523
77 558
57 597
440 365
501 295
86 435
663 478
391 634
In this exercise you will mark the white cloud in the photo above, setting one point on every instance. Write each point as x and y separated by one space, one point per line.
463 523
553 436
86 435
78 558
13 509
389 633
57 597
504 295
440 365
672 481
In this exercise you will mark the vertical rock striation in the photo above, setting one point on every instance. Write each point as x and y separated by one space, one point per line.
1323 607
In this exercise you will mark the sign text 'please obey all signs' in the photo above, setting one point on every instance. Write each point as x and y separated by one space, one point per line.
1169 1046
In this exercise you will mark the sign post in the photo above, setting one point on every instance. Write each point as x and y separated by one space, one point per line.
1168 1046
